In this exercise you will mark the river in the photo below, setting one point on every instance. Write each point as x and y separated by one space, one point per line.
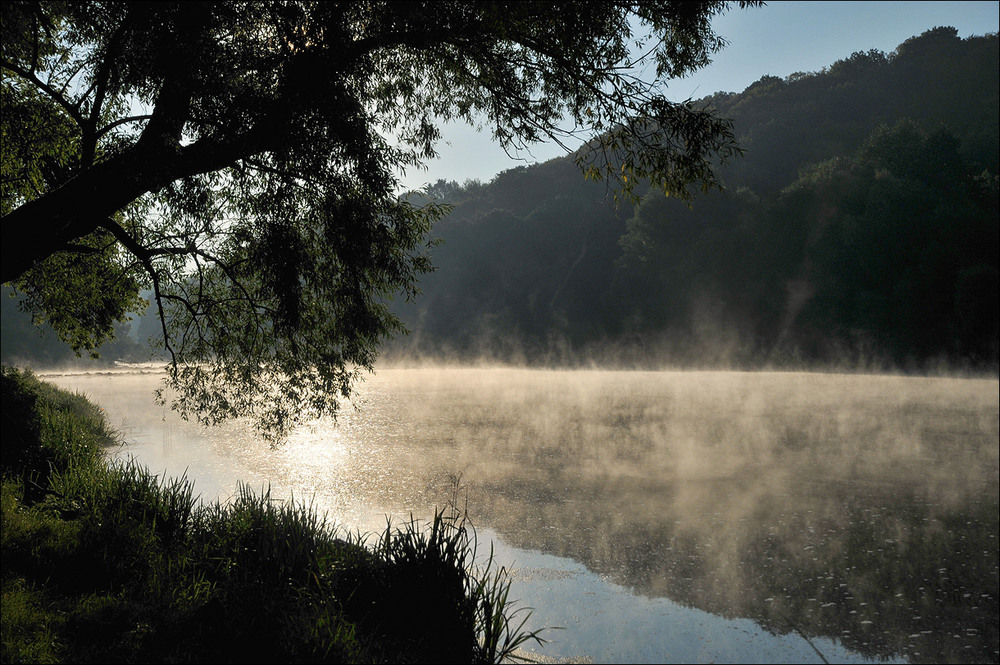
657 516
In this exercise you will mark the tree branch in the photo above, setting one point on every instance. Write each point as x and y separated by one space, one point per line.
31 77
100 87
144 258
107 128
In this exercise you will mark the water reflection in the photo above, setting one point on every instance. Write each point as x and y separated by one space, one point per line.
860 511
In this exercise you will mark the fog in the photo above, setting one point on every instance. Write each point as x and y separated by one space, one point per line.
852 508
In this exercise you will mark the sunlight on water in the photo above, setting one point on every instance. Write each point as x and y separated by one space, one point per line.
661 516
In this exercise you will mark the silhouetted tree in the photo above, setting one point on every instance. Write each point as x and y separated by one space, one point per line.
232 158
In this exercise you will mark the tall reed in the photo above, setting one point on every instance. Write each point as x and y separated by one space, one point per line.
443 561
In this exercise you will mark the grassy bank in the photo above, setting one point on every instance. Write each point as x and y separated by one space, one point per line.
105 562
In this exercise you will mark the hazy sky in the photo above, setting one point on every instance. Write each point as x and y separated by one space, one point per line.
779 39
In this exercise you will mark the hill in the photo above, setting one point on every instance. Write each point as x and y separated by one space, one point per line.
860 225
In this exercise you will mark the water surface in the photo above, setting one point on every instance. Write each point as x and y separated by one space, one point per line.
660 516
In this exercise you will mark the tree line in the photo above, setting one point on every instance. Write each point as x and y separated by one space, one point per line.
860 224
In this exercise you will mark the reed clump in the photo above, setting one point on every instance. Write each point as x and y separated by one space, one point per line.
107 562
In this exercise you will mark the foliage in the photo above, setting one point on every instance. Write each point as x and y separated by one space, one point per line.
233 159
438 564
46 430
860 227
27 341
106 562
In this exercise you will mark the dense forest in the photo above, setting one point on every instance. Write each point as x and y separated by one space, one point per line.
859 226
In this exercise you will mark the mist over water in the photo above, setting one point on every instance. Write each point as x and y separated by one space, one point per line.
660 516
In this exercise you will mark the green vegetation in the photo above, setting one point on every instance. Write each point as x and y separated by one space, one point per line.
254 195
859 225
106 562
26 340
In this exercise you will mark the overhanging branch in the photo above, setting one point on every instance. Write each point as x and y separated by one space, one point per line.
32 78
140 252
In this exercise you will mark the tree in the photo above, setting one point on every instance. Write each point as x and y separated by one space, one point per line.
233 158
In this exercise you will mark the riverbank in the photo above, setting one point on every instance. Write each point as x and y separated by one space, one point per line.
108 562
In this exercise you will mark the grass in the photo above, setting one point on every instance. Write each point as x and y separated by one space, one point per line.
107 562
441 558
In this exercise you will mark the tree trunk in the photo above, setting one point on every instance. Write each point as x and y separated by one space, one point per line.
47 224
41 227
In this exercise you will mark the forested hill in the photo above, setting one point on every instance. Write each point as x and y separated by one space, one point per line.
861 224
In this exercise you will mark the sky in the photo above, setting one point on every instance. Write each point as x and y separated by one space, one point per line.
778 39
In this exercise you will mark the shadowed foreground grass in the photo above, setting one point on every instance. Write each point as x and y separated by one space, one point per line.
105 562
